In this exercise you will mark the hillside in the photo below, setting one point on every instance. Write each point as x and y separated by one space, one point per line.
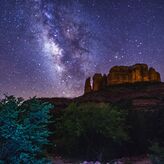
135 96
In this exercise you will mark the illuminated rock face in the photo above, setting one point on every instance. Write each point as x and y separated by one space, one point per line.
88 87
97 82
132 74
118 75
153 75
121 75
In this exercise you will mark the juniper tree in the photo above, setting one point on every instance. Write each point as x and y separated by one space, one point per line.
23 130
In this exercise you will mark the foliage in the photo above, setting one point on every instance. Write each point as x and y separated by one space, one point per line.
91 130
23 130
147 125
157 153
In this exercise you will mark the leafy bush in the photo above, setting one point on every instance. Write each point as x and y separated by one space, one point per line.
23 130
145 126
157 154
92 131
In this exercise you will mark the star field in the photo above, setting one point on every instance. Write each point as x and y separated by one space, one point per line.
49 47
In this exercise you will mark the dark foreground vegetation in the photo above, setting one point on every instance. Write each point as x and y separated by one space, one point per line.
103 132
88 131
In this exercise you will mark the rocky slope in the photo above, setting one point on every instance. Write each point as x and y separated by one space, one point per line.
137 96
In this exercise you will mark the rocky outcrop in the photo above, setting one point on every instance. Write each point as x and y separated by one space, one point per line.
88 87
97 82
122 75
140 73
132 74
153 75
118 75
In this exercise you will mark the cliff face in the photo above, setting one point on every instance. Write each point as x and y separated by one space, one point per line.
121 75
99 82
88 87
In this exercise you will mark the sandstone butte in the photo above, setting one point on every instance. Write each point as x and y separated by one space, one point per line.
122 75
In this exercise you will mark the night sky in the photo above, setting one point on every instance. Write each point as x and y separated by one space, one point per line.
49 47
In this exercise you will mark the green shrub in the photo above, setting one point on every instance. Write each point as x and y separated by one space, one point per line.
157 154
91 131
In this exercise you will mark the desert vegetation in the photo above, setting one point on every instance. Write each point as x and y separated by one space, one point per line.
104 132
31 131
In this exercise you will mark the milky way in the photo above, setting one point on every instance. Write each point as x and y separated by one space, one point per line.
64 37
49 47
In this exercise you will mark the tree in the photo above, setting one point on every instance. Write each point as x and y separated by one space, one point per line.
23 130
91 130
157 153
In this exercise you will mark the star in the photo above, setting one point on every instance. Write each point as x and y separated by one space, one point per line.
48 48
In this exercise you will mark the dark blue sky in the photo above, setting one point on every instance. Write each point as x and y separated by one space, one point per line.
49 47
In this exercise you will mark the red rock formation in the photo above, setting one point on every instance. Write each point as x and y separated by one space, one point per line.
88 87
97 82
140 73
132 74
122 75
118 75
153 75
